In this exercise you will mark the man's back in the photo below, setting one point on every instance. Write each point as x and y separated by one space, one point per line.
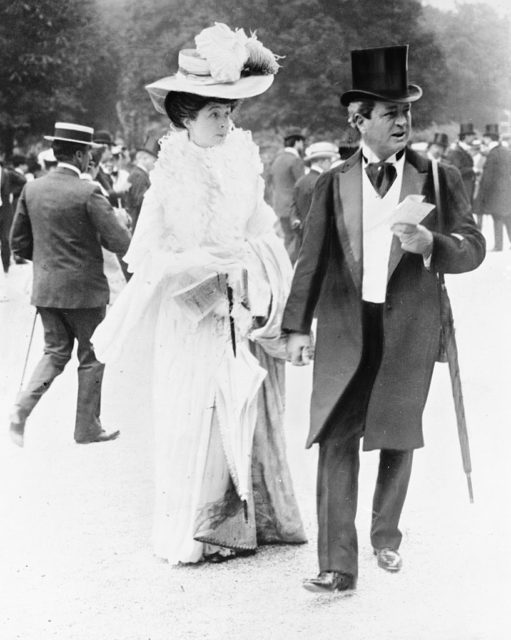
285 171
67 220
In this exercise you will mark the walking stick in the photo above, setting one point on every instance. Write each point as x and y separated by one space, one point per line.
28 350
450 353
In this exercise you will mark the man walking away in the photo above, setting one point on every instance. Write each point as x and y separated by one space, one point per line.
60 224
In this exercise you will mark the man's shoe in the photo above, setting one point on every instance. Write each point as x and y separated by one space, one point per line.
388 559
102 436
330 581
17 432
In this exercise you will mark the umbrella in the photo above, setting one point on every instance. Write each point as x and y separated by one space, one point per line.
451 355
239 380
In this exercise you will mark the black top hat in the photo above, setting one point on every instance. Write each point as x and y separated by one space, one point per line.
151 145
381 74
491 130
441 139
294 132
103 137
467 129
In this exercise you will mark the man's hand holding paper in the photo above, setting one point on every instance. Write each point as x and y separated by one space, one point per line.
405 220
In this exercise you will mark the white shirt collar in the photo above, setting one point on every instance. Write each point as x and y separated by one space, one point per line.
369 156
66 165
493 144
292 150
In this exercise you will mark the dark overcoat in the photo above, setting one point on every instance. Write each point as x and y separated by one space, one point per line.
139 184
494 197
328 281
284 172
302 195
462 159
61 223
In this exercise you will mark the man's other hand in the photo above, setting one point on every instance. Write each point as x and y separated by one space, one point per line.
300 348
414 238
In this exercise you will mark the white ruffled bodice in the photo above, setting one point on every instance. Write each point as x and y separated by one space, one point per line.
203 197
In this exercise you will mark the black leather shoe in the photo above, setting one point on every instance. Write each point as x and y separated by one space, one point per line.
102 436
388 559
17 432
330 581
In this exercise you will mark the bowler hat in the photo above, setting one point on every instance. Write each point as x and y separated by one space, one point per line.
441 139
103 137
491 130
467 129
77 133
381 74
151 145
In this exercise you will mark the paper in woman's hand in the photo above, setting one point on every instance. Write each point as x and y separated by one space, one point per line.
200 297
411 211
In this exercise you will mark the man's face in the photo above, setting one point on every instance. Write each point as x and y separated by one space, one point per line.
83 159
388 129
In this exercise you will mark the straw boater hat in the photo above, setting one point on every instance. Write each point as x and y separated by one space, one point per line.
77 133
381 74
320 150
225 64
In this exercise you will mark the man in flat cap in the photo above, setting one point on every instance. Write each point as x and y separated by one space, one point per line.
60 224
370 277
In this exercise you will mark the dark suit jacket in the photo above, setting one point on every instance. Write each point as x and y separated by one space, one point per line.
328 281
494 195
302 195
60 224
284 172
139 184
465 164
11 183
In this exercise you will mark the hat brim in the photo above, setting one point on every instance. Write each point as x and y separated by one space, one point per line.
321 156
414 93
246 87
85 144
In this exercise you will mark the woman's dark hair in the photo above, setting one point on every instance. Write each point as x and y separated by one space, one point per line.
180 105
65 150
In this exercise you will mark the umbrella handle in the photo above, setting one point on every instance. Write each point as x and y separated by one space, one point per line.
470 490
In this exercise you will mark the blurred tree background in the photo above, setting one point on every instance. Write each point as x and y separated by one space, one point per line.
88 61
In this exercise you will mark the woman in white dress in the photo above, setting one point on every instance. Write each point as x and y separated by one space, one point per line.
210 280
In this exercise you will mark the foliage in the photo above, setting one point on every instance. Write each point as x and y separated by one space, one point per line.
50 52
90 60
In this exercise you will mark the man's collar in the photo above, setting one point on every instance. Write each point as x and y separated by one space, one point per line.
369 156
66 165
464 145
139 166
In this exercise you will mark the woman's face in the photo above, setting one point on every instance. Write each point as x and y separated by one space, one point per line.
211 125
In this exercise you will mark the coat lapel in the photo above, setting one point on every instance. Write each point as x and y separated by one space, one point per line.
348 214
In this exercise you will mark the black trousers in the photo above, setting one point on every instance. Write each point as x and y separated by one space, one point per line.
61 328
338 467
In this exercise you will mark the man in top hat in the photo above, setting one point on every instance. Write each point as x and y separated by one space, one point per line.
438 146
461 157
319 157
285 170
60 224
494 193
139 182
370 278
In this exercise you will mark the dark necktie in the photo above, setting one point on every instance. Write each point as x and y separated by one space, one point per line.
381 175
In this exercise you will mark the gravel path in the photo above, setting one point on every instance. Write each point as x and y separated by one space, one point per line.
75 556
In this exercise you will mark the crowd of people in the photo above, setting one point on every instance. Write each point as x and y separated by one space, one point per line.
220 287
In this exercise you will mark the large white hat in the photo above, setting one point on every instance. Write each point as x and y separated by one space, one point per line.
225 64
318 150
69 132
